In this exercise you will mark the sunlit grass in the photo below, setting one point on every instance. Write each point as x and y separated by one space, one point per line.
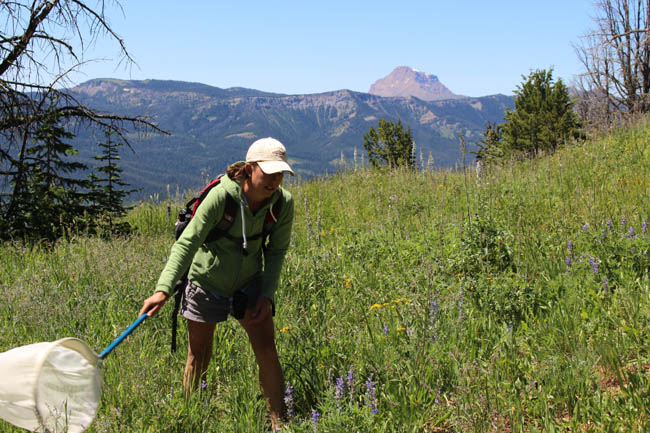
443 301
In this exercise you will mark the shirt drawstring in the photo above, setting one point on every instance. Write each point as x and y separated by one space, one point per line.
243 225
271 212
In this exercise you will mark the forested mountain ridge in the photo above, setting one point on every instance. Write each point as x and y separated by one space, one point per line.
210 127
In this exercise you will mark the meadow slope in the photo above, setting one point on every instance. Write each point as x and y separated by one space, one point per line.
426 301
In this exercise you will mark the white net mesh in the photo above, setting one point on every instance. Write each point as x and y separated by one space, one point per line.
52 386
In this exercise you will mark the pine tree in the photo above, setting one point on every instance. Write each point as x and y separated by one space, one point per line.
543 117
389 144
106 195
490 147
49 196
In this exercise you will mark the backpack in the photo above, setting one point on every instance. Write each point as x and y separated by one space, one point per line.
220 229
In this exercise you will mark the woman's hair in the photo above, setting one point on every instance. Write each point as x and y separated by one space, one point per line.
237 171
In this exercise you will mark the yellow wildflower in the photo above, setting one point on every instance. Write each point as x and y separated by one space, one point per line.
348 282
285 329
375 306
401 329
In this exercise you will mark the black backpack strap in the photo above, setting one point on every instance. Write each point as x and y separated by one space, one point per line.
179 293
222 227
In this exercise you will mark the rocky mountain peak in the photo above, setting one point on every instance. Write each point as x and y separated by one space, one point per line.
405 81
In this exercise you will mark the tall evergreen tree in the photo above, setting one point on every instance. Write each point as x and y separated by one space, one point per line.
49 193
543 117
389 144
489 148
107 194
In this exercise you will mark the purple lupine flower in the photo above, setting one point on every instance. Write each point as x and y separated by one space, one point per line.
593 262
567 262
630 233
623 221
351 380
644 226
610 225
315 418
371 396
204 385
433 312
569 245
386 329
585 227
606 285
288 401
339 392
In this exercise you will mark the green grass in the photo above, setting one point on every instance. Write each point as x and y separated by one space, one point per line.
456 298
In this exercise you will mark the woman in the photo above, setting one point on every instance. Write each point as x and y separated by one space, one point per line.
235 266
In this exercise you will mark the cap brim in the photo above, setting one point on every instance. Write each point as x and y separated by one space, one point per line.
272 167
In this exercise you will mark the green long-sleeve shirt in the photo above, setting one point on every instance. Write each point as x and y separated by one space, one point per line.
220 266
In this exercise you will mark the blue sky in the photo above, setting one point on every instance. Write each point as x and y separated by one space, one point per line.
475 48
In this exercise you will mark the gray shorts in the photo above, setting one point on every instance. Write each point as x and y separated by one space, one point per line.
204 306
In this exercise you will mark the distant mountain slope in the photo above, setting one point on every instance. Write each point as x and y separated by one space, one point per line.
404 82
211 127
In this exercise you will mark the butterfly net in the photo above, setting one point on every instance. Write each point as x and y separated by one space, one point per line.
50 387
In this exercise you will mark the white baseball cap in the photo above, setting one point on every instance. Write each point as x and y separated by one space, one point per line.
270 155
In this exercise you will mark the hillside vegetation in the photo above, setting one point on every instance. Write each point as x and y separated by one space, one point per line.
207 125
428 301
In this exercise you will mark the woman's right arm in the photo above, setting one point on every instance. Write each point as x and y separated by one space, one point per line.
183 250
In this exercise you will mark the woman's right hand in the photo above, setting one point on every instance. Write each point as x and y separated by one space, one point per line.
153 304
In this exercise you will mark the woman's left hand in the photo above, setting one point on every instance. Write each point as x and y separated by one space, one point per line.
259 312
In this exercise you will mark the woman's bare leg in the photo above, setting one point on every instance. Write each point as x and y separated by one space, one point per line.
262 338
199 351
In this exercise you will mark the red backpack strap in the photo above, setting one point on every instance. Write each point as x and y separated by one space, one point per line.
221 228
197 200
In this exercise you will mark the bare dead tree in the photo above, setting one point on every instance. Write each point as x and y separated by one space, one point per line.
41 43
616 60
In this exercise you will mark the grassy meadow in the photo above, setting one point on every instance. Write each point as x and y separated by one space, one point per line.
411 301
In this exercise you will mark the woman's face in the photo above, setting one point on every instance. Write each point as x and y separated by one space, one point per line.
263 185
